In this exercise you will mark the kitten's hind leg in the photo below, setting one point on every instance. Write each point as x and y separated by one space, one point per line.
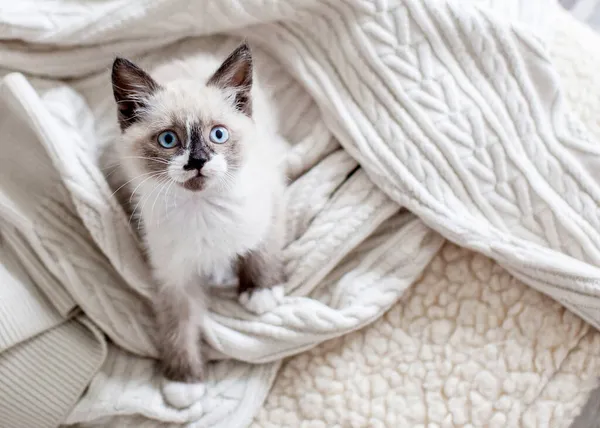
260 279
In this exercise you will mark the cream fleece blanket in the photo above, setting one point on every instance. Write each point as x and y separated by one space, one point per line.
453 112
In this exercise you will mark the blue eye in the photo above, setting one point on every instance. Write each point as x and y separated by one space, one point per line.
219 135
168 139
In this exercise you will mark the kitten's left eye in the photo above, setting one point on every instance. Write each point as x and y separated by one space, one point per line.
219 135
168 139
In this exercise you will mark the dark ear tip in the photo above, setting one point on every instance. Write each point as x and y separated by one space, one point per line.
120 62
244 50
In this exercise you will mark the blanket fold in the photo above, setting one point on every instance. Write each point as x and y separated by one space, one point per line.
411 122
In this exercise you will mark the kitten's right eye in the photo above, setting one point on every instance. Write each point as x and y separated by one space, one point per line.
168 139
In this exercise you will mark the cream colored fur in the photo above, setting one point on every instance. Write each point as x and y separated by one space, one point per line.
379 77
194 239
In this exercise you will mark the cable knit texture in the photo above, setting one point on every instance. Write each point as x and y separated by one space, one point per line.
411 122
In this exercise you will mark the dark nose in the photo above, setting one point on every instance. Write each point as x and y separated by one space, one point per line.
195 163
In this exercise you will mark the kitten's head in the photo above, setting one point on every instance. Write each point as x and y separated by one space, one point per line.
194 133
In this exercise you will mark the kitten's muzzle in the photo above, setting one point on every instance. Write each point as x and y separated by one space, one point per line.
195 163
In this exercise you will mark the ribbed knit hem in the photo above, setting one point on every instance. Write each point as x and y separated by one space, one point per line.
42 379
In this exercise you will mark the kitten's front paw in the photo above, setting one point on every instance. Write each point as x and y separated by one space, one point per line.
182 395
179 366
261 300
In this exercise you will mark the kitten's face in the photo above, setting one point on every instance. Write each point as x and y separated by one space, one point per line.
189 133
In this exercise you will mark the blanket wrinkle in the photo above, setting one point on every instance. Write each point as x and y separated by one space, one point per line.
454 112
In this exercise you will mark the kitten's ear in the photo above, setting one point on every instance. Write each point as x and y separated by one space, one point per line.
132 87
236 74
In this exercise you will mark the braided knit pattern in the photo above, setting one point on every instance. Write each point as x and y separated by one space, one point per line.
410 122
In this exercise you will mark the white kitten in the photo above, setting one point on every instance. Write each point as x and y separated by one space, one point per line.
204 162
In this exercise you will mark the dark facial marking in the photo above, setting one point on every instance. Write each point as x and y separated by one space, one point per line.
236 73
155 157
132 87
200 151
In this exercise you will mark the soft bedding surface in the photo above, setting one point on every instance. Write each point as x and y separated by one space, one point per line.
467 343
456 115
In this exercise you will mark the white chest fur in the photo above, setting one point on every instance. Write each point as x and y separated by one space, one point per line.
193 236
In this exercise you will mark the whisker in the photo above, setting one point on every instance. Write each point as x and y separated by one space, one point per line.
152 192
157 174
166 183
134 178
114 169
138 202
166 198
147 158
115 166
143 201
227 182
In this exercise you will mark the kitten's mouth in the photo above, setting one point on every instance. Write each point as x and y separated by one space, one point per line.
195 183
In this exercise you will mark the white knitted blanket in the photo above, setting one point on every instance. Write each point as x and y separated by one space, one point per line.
454 114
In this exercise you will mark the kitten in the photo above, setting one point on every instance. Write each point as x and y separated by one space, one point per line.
199 147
